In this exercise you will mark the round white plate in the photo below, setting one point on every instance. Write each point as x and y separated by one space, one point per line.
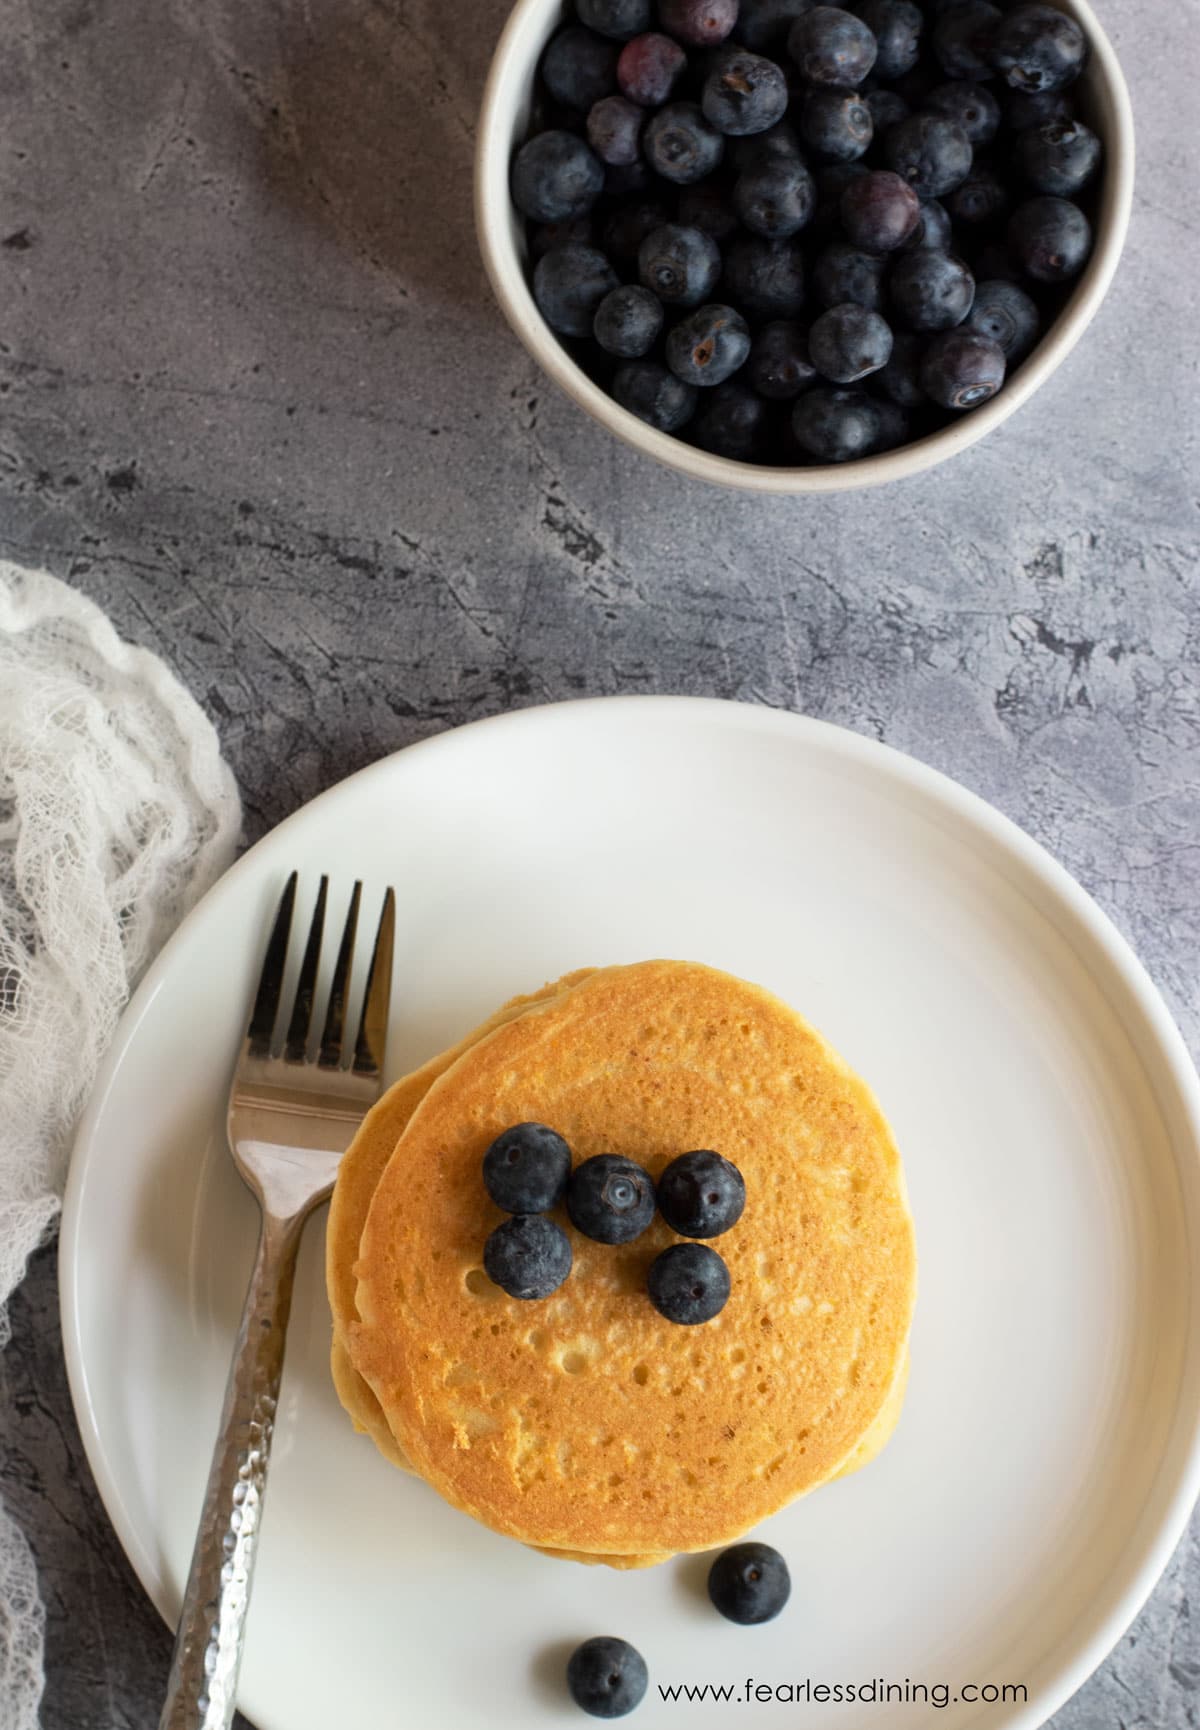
1049 1119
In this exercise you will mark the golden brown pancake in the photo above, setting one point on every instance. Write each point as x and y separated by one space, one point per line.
586 1422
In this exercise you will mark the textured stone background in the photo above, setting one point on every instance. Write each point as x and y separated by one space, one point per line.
257 402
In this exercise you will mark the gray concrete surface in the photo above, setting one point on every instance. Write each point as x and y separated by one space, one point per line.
255 399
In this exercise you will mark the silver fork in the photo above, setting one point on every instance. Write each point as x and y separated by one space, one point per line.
291 1118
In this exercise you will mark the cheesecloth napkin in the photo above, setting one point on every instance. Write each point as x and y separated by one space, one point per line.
116 814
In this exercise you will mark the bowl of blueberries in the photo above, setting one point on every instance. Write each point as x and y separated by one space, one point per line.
799 247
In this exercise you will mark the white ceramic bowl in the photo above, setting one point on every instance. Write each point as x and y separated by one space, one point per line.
502 129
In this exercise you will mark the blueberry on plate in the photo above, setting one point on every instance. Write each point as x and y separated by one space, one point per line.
609 1198
896 26
835 123
844 272
708 346
749 1583
649 68
556 177
680 265
607 1677
1050 239
849 342
731 422
835 426
569 284
618 19
529 1256
775 198
681 145
654 395
765 278
961 369
688 1284
1004 313
526 1168
779 367
745 94
931 290
628 321
579 67
698 23
932 153
832 47
880 211
1037 48
962 38
701 1194
971 106
1057 158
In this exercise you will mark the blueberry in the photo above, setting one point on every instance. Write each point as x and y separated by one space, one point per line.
962 38
848 342
1037 48
1058 158
971 106
775 199
832 47
887 107
780 143
607 1677
688 1284
708 345
746 94
1050 239
619 19
680 265
701 1194
836 124
779 367
628 321
894 428
580 231
1004 313
526 1168
528 1256
579 67
765 277
931 290
731 422
879 211
681 145
698 23
933 228
931 153
614 126
555 177
896 26
628 226
649 68
749 1583
709 207
900 378
610 1198
835 426
844 272
961 369
981 198
764 24
832 180
569 284
1035 107
654 395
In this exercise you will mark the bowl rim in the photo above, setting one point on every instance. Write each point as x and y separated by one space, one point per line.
520 43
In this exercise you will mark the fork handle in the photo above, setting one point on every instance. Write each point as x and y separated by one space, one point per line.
202 1687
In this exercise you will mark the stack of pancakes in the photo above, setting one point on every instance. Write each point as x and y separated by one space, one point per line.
586 1424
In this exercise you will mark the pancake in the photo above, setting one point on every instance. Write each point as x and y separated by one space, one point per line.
587 1423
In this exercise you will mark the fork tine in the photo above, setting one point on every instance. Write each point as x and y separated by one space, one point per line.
372 1035
296 1046
330 1054
270 983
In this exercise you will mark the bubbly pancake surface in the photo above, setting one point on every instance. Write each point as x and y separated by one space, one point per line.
586 1422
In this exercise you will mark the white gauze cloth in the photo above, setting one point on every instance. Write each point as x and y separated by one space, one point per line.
116 814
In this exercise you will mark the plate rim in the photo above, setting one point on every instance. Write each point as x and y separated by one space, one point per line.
1083 1652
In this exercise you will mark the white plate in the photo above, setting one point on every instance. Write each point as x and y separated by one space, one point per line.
1049 1118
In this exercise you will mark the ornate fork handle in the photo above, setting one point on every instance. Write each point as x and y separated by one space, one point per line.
202 1688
